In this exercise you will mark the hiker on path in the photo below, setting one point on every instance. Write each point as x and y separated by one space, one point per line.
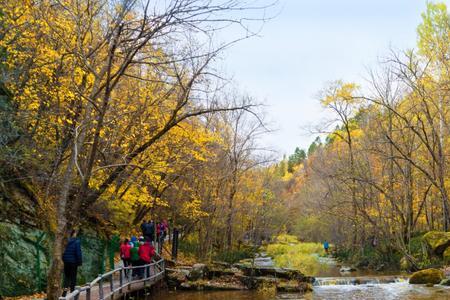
134 255
146 253
125 255
326 246
72 259
148 230
144 227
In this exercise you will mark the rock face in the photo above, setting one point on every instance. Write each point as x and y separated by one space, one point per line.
25 258
433 276
438 241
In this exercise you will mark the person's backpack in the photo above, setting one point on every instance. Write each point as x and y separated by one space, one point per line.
134 254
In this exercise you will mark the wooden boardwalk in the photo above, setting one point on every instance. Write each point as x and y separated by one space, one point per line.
119 282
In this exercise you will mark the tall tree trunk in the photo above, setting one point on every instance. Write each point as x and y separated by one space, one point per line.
444 195
230 217
55 271
409 205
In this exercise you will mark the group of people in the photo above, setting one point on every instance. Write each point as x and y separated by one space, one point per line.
140 251
136 252
133 252
155 232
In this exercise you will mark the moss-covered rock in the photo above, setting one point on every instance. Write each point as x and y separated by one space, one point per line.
445 282
404 264
438 241
434 276
446 255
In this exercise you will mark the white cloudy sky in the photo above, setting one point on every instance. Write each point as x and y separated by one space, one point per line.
310 43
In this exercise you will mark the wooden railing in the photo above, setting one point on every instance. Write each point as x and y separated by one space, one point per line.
119 281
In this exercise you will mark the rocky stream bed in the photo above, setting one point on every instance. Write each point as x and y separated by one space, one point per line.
247 275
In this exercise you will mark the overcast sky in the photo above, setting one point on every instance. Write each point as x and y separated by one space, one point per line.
310 43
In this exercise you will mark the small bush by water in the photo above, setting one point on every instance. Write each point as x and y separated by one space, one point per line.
234 256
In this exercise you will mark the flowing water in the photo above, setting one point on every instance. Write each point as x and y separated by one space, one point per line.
331 285
384 291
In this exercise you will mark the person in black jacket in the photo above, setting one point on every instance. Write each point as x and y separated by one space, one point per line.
72 259
144 227
148 230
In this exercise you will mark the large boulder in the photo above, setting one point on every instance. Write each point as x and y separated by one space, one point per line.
197 272
426 276
438 241
176 277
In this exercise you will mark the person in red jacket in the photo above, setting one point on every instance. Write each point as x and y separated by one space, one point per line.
146 252
125 253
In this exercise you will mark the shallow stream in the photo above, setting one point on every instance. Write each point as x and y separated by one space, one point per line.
390 291
332 285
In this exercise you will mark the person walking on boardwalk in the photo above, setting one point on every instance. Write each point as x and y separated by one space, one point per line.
125 254
162 231
326 246
146 253
134 255
72 258
144 227
148 230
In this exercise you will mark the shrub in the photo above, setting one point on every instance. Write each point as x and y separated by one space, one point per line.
290 253
286 239
234 256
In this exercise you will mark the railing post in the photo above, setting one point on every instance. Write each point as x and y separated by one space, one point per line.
77 296
88 293
130 277
121 273
100 288
111 285
145 273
